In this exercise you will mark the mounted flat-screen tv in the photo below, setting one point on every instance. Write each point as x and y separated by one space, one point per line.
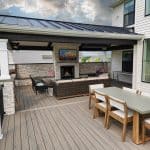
68 54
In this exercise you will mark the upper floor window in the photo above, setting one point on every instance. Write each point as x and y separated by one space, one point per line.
147 7
129 12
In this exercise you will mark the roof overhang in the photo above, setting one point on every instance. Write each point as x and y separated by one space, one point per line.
67 33
115 4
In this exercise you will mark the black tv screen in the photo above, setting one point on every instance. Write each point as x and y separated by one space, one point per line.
66 54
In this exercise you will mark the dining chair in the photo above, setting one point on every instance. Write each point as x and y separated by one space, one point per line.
101 106
121 114
145 94
92 88
145 125
130 90
145 122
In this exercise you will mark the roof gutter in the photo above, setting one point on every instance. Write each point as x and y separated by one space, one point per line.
72 33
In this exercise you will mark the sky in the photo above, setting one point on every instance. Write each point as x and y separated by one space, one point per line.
85 11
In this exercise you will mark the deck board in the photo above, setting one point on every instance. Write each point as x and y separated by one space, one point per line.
43 123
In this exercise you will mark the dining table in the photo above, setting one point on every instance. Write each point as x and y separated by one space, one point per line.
139 104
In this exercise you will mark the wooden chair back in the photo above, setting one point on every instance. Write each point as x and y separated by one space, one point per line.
118 104
93 87
101 96
145 94
130 90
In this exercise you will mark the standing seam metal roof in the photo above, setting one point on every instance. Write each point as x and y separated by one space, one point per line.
51 24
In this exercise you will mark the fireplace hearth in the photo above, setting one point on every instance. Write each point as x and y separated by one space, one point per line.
67 72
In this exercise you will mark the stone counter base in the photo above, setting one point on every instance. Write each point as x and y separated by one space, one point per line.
8 97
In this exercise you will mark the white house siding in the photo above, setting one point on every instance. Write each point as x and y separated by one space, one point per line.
142 26
116 61
117 17
29 57
142 22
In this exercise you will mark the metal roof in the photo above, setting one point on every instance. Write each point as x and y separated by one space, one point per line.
61 25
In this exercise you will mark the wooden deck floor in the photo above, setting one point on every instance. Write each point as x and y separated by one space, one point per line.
43 123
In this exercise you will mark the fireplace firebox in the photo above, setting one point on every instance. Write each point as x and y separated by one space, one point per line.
67 72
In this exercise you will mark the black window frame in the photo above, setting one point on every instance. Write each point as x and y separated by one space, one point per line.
145 9
123 52
127 14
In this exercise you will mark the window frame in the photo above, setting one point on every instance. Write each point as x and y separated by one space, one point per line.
133 12
145 10
143 61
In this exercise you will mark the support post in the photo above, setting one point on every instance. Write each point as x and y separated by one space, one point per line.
4 60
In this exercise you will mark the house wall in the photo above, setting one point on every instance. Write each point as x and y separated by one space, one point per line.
142 22
29 57
142 26
116 65
117 17
116 61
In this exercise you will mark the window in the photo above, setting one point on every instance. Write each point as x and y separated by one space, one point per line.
146 61
127 61
147 7
129 12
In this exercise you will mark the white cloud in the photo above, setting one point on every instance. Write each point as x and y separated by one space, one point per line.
88 11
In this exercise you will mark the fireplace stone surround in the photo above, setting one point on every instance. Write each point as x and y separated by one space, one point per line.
58 64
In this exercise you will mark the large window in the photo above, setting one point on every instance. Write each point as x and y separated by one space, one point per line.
129 12
146 61
147 7
127 61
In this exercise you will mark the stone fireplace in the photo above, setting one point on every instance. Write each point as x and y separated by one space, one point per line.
67 72
65 69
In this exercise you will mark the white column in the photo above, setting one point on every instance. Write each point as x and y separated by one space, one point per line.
137 64
4 60
1 135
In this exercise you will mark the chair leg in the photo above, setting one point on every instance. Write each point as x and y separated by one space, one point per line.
108 121
143 133
124 132
96 113
105 120
90 101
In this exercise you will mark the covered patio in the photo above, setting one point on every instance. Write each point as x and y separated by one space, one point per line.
41 121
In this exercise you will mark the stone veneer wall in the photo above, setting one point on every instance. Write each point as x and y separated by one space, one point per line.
23 72
91 67
36 70
8 97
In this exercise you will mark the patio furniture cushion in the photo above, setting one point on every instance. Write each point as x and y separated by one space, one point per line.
100 97
103 104
122 114
40 84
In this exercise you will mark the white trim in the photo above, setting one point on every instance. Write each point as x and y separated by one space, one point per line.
73 33
4 40
5 77
115 4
